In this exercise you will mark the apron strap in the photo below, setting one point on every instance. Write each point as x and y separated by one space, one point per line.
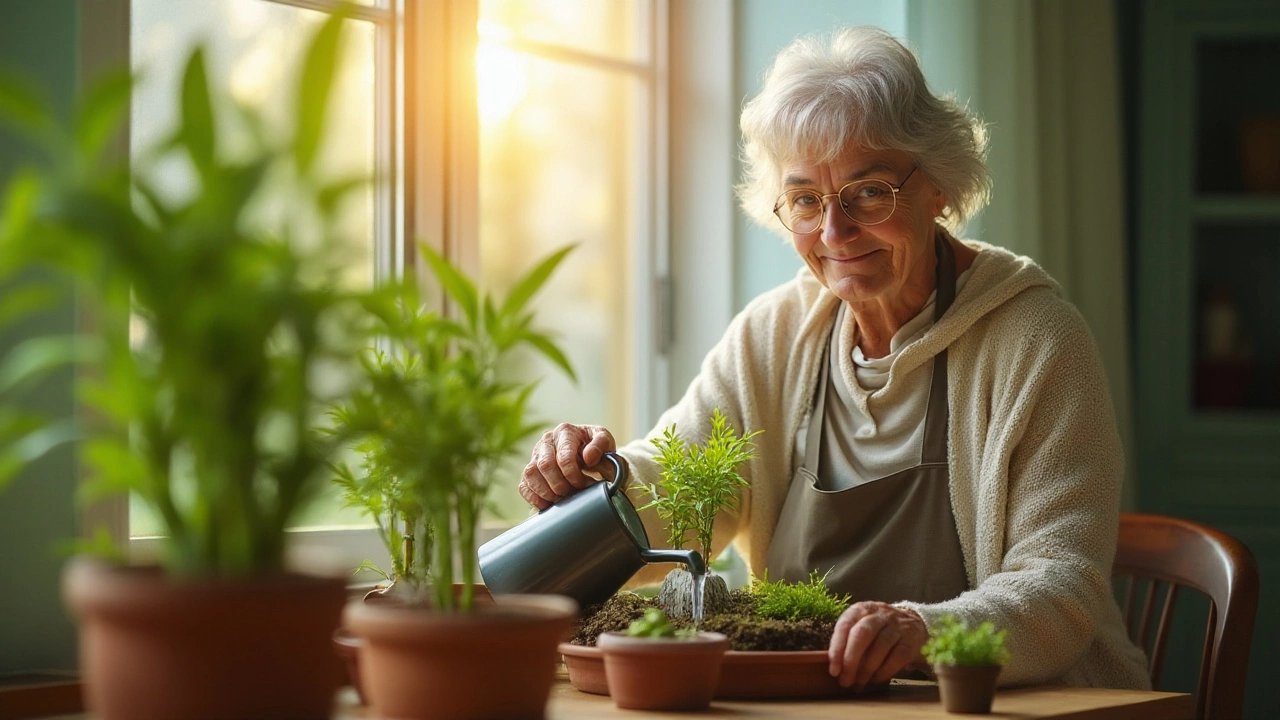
934 448
813 437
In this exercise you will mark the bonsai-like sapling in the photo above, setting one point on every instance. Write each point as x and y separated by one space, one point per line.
697 483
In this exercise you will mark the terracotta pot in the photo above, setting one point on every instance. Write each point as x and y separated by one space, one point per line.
497 662
744 674
662 674
585 665
151 647
347 645
967 688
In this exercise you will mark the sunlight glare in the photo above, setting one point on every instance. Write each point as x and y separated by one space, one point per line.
503 81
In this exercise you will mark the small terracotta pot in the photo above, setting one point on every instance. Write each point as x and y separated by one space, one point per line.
585 665
153 648
967 688
495 663
661 673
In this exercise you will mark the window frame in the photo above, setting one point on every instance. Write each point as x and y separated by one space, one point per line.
433 173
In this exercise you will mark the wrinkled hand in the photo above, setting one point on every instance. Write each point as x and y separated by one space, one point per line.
872 641
561 460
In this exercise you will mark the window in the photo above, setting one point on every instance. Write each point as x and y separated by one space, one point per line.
253 49
567 97
558 136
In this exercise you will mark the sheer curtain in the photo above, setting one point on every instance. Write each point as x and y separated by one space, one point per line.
1045 74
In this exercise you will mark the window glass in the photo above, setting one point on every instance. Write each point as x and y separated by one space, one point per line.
601 28
253 49
561 162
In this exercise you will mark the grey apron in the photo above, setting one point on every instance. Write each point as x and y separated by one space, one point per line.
890 539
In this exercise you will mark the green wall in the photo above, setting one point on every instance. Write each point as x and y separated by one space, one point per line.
38 40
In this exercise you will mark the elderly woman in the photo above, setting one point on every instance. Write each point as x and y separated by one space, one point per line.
938 431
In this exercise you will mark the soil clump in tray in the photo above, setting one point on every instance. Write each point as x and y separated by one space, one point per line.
745 630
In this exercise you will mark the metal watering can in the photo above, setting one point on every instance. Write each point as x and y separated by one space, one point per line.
586 546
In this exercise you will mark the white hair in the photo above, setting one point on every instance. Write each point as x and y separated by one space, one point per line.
862 89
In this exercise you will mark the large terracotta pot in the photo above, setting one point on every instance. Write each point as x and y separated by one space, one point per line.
152 648
662 673
495 663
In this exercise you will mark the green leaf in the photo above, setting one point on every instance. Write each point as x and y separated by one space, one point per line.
454 282
314 87
331 194
34 358
23 109
552 353
20 200
528 286
18 452
198 131
101 545
20 302
99 115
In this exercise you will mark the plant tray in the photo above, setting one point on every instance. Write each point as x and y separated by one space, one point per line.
745 675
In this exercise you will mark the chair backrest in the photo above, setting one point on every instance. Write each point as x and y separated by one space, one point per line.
1155 549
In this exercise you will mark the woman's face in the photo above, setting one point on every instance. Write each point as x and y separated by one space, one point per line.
883 263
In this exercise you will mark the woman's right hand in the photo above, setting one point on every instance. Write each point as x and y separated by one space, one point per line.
561 461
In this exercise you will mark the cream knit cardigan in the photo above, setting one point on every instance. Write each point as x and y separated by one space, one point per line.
1035 459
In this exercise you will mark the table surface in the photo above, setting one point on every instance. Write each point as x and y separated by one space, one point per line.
905 700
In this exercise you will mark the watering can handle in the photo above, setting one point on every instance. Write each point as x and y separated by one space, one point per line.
619 472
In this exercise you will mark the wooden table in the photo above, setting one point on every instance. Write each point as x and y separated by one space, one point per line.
905 700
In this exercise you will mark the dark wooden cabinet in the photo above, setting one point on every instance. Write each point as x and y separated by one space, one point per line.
1206 254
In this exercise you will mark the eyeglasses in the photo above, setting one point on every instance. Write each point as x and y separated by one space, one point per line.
866 202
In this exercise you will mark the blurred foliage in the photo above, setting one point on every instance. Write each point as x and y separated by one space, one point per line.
207 330
953 642
434 420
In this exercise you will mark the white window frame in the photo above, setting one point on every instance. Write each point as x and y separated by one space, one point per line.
684 272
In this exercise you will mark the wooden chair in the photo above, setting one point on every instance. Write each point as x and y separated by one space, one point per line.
1156 549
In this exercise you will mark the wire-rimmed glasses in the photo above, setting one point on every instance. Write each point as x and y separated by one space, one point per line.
866 202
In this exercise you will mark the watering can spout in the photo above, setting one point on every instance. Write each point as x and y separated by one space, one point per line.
691 558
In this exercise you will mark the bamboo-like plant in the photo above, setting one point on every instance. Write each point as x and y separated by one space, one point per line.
436 420
208 326
699 481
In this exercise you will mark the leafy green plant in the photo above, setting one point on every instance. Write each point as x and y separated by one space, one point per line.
782 600
208 326
436 419
953 642
656 624
698 481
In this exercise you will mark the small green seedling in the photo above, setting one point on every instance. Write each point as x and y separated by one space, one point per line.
655 624
792 601
953 642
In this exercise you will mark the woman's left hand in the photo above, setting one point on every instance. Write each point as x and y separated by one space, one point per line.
872 641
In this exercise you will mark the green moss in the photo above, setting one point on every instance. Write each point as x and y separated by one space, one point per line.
792 601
